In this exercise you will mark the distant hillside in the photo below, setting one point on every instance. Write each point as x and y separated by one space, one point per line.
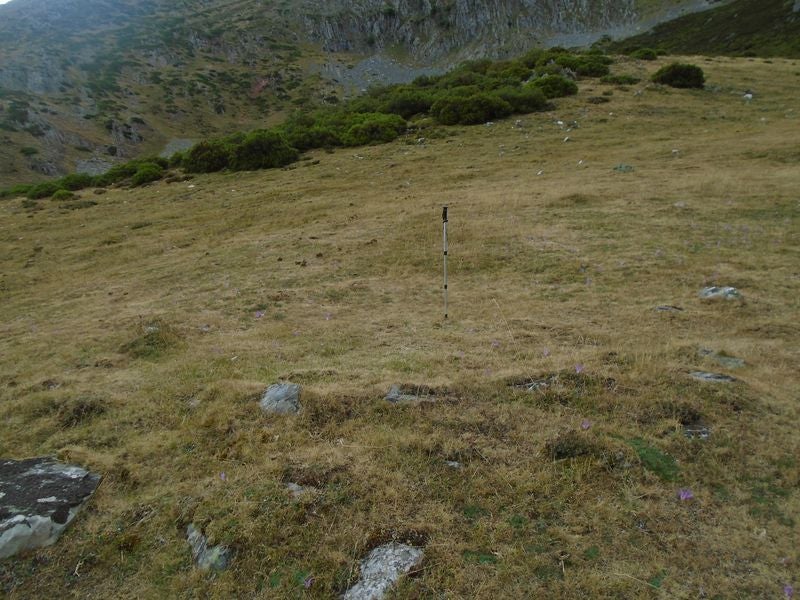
88 83
742 28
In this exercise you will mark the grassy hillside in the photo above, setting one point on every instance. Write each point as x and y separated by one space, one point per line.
739 28
141 325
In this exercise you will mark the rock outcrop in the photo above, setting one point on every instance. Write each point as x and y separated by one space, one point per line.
39 498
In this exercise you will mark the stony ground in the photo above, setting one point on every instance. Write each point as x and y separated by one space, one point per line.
559 446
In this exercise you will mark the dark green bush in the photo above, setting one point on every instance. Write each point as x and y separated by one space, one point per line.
207 157
587 66
680 75
620 79
408 102
374 128
555 86
645 54
43 190
76 181
176 160
16 190
146 173
62 195
262 149
116 174
470 110
523 100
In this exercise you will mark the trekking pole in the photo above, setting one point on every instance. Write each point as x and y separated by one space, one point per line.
444 239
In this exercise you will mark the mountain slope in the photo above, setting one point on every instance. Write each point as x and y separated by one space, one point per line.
741 28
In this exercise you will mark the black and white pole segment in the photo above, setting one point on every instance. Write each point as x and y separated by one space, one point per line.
444 239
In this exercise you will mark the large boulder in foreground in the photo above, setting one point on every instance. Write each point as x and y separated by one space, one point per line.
39 498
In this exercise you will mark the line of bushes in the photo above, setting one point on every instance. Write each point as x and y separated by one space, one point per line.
475 92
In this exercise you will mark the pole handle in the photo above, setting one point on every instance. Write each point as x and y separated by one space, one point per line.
444 214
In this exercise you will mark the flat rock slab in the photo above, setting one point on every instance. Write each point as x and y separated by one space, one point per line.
281 399
382 568
697 431
712 377
534 385
410 393
39 498
207 558
729 362
668 308
724 293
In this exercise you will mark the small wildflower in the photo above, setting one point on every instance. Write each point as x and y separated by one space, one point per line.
223 476
579 368
495 344
309 581
259 314
586 424
546 352
685 494
788 590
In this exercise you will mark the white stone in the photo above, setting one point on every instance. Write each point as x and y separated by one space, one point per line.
382 568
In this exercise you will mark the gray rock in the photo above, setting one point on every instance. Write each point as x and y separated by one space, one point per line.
712 377
697 431
534 385
726 293
39 498
298 492
214 558
92 166
281 399
399 393
382 568
729 362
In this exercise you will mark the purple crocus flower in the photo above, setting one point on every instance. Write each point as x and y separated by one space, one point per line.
223 476
546 352
259 314
788 590
586 424
685 494
579 368
309 581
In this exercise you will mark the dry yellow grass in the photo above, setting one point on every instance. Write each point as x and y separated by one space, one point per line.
343 257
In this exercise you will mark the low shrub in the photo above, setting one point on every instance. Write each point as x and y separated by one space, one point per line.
555 86
680 75
16 190
584 65
43 190
207 157
62 195
645 54
76 181
470 110
262 149
523 100
374 128
146 173
620 79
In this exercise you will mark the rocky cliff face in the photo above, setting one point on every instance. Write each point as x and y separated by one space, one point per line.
430 31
